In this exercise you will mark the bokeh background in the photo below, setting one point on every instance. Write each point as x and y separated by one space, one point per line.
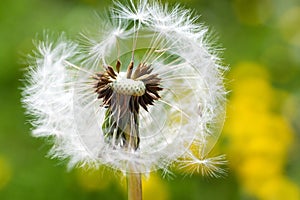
261 44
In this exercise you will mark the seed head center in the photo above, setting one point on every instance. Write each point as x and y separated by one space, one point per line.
127 86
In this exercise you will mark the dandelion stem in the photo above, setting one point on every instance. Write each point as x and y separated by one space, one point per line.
134 180
134 186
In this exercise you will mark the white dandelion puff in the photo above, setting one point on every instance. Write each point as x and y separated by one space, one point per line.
134 96
176 19
210 166
135 11
97 43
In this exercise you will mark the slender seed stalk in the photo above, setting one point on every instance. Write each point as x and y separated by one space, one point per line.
134 180
134 186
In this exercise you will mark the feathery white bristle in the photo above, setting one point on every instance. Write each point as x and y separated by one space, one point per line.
60 91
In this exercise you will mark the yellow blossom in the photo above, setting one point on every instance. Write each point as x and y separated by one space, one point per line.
258 136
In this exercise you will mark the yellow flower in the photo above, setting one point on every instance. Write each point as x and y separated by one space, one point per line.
258 137
279 188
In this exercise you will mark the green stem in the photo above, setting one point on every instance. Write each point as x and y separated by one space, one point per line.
134 186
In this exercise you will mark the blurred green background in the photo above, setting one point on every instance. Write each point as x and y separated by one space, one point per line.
261 41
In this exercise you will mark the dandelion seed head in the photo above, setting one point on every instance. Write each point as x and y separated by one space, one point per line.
130 96
128 87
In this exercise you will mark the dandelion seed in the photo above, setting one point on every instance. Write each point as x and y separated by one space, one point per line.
134 99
